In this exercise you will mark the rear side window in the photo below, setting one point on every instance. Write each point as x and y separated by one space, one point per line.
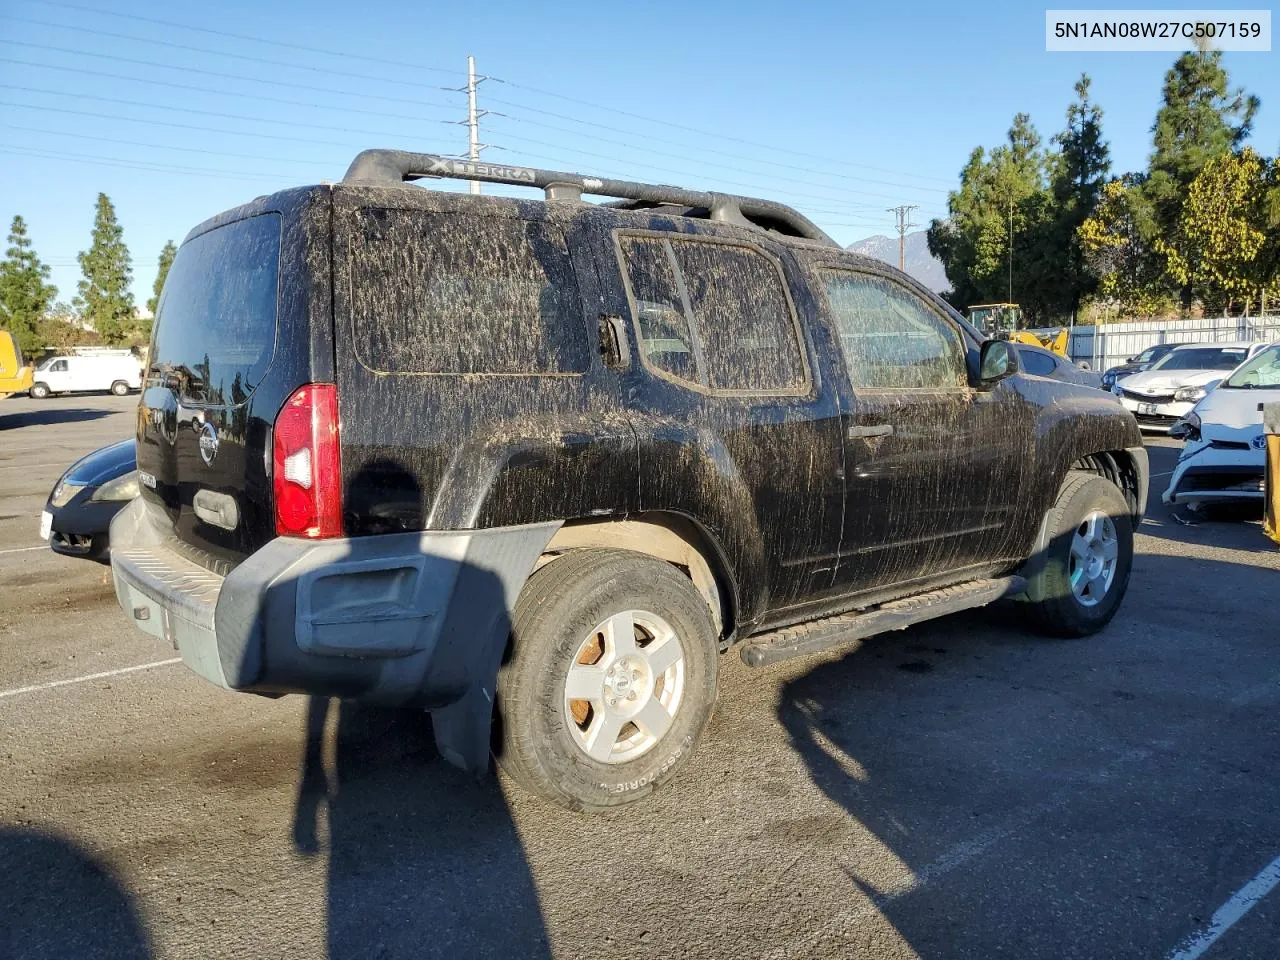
216 323
441 293
890 338
714 313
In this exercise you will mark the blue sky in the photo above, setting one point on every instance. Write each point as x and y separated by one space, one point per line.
841 109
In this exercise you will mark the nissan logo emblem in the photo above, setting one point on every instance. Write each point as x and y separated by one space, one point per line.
208 443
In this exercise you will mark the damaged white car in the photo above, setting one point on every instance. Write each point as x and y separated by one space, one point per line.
1166 391
1224 456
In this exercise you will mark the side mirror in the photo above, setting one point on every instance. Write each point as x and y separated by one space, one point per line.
997 361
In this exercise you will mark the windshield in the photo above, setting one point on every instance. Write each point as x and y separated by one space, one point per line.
1202 358
1262 371
1147 355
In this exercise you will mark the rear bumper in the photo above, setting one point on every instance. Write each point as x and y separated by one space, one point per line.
412 619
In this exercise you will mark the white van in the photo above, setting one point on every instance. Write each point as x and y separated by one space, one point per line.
118 372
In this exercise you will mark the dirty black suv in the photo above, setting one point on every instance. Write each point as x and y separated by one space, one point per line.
531 465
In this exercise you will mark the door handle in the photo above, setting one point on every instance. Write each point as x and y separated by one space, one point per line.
875 430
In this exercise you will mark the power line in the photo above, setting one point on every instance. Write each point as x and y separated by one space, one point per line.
683 173
399 116
346 55
684 127
219 53
702 133
163 146
257 97
142 165
222 75
275 121
722 153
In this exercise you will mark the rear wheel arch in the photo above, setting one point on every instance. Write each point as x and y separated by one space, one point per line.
665 536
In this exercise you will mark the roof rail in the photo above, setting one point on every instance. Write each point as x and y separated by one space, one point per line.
398 166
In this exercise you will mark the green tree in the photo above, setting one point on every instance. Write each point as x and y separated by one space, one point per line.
1113 241
1002 205
162 271
1200 118
24 292
1224 228
1079 173
103 298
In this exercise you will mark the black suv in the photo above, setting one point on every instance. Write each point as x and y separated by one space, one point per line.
532 465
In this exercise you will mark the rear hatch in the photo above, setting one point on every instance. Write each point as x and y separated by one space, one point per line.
231 343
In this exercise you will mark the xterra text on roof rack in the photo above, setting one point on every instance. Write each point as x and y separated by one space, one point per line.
541 462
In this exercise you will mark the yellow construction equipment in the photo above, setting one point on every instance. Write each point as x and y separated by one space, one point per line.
1003 321
15 377
1271 485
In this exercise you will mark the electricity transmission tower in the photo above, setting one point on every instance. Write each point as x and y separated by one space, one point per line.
474 146
903 214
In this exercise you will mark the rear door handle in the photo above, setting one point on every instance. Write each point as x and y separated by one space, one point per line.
875 430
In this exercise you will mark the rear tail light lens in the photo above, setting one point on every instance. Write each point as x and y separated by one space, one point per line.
307 464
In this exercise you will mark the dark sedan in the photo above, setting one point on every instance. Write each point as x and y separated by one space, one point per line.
78 513
1141 362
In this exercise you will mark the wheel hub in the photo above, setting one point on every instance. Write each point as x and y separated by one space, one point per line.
1094 558
624 686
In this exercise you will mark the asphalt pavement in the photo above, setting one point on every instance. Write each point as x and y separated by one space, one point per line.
962 789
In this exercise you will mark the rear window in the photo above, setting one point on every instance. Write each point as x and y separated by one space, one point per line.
446 294
216 323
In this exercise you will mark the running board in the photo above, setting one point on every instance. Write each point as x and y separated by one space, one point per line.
821 635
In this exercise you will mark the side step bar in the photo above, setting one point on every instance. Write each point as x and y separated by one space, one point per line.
821 635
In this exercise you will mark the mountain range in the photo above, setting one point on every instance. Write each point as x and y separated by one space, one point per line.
920 263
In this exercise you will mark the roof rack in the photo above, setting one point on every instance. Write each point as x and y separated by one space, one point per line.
398 166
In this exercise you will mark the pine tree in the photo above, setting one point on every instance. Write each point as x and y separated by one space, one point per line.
973 243
1079 174
1200 118
24 294
104 298
162 271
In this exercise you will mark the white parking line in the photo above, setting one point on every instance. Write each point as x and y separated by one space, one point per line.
25 549
1245 899
1157 476
35 688
860 911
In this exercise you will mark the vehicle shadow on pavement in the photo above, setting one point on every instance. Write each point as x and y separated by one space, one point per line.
40 418
46 878
424 860
1036 793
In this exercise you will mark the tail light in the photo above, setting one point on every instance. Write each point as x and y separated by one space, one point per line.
307 464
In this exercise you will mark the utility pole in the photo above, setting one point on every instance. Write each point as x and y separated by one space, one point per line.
903 213
473 119
1010 248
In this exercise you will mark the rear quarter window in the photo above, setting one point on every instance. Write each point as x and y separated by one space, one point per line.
442 293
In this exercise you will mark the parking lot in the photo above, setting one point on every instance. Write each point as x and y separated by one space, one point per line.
962 789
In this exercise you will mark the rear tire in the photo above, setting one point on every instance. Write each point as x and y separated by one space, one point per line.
39 391
120 388
636 639
1087 559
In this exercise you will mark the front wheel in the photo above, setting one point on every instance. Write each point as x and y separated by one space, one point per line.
611 679
120 388
39 391
1083 572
